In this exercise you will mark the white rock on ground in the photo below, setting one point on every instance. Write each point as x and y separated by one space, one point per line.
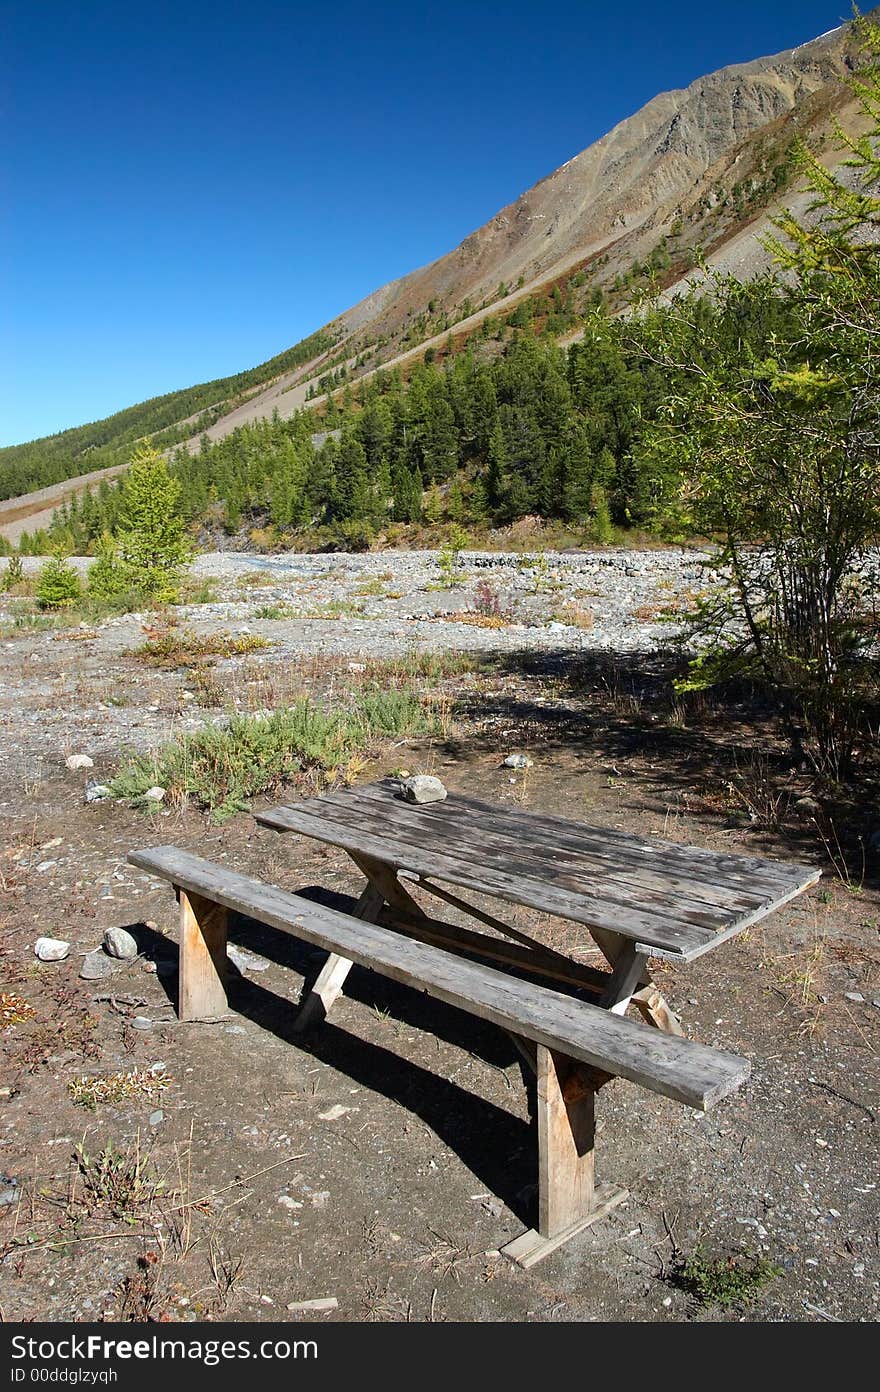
51 949
79 761
120 943
154 794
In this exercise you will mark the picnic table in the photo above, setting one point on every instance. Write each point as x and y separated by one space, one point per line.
638 898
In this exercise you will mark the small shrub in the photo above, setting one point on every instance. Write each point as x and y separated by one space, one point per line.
354 534
395 713
58 585
449 559
221 768
13 575
487 600
274 611
106 577
116 1180
173 647
723 1281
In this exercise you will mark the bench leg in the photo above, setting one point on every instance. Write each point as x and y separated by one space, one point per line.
568 1200
202 993
315 1007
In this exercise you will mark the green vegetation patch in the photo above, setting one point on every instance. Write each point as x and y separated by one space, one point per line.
723 1281
222 767
181 647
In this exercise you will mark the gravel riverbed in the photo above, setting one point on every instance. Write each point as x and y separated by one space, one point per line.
62 690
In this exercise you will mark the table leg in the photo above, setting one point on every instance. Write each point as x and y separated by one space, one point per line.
642 991
328 986
568 1200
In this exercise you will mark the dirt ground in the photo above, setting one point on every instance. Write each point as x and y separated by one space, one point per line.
384 1160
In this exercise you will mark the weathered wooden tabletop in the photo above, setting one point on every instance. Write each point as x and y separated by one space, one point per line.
669 899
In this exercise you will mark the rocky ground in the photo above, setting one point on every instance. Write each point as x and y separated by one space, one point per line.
381 1163
69 687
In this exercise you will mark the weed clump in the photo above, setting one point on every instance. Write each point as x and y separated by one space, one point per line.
722 1281
118 1087
14 1010
173 647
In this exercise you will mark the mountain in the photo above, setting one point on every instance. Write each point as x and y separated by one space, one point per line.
693 174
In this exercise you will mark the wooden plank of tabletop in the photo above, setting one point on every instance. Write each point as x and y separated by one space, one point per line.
749 873
664 934
671 893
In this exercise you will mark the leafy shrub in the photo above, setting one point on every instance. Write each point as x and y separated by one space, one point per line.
724 1281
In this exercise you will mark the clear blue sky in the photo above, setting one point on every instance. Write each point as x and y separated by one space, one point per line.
192 187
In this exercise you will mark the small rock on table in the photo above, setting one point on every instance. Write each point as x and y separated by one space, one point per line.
423 787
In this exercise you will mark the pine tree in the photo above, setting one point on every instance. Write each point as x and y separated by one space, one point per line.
577 474
58 584
152 546
351 490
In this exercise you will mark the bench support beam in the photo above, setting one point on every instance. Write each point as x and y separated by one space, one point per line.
202 958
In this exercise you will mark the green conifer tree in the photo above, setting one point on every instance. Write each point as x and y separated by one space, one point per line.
153 548
58 584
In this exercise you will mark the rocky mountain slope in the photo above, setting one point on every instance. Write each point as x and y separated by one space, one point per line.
691 174
650 169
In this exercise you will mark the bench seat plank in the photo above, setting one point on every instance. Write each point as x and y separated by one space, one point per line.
678 1068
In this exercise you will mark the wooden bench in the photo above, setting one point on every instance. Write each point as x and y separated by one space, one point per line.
573 1046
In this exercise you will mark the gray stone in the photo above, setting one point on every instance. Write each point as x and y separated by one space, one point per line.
157 1117
96 792
140 1022
45 865
9 1197
154 794
244 960
51 949
517 761
119 943
96 965
808 805
423 787
855 996
79 761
